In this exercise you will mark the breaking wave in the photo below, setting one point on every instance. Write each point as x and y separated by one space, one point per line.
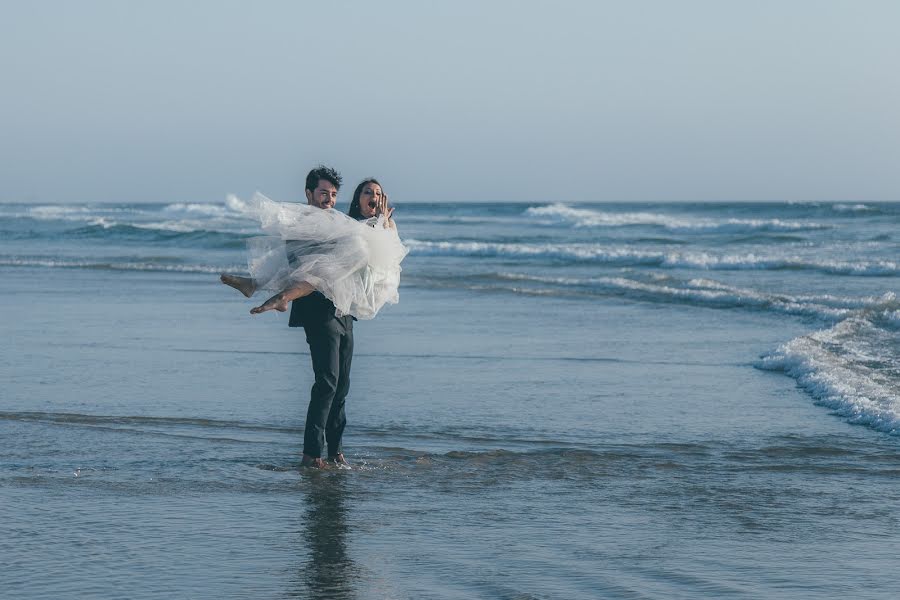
713 293
852 368
625 256
664 289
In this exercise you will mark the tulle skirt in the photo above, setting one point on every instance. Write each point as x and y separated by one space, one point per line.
355 264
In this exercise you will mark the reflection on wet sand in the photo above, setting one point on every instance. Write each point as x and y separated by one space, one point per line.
329 572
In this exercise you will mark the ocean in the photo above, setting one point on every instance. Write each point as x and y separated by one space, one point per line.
569 401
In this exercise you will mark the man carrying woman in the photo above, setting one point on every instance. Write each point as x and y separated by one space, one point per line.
334 268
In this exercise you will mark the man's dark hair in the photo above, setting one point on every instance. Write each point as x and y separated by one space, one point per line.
355 210
323 172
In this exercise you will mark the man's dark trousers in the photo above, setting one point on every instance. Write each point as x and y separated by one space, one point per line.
330 342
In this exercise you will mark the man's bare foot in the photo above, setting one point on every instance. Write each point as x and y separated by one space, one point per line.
310 461
276 302
244 285
339 461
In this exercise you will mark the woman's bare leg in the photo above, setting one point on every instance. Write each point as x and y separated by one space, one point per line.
244 285
280 300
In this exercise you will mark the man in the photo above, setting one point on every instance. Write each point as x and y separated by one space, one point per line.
330 340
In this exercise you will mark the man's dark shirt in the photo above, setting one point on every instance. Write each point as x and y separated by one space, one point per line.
315 308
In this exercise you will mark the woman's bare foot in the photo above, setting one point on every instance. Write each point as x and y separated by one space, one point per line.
244 285
276 302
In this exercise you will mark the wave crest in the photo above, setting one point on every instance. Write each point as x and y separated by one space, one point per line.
852 368
583 217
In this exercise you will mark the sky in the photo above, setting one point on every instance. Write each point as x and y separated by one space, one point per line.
451 101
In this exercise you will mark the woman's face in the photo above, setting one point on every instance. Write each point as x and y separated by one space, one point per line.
369 199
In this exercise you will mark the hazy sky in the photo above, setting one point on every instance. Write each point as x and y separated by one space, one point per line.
451 101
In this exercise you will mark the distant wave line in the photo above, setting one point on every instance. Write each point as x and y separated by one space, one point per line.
114 266
89 419
583 217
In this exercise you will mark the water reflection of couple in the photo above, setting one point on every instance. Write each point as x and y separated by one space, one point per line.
335 268
329 572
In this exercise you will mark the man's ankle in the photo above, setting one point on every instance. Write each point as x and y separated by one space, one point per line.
339 460
312 461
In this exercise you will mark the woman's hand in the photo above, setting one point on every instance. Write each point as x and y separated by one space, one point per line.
381 208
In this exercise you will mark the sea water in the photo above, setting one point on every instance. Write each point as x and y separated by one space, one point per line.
570 401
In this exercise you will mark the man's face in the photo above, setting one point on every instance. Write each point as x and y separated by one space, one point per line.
324 196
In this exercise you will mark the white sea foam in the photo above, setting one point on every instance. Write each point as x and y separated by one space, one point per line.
619 255
101 222
181 218
76 214
853 368
212 210
851 207
174 226
53 211
752 261
235 204
587 252
184 226
583 217
461 219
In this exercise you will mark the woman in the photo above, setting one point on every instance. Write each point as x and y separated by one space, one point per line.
354 260
369 201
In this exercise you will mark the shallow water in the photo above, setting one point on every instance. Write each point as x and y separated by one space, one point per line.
663 430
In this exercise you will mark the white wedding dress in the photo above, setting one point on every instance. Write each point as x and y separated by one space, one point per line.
355 264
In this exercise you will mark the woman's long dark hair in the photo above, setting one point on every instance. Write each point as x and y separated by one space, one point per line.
355 211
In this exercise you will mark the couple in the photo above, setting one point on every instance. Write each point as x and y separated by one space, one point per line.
335 268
